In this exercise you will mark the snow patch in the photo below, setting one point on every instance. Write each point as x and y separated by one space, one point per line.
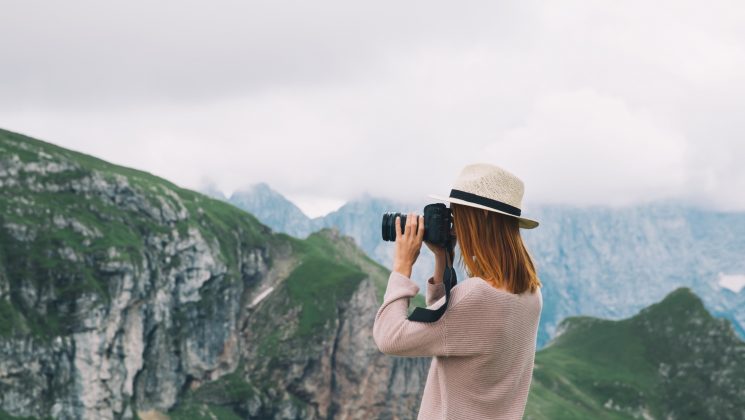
261 296
734 282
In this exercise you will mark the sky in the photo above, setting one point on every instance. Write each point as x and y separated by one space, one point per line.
588 102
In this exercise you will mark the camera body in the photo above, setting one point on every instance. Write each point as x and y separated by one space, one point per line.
438 222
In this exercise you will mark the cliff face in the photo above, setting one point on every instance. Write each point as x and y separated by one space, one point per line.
123 294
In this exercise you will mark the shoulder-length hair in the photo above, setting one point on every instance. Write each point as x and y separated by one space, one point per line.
492 249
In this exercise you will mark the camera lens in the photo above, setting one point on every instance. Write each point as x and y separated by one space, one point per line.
389 225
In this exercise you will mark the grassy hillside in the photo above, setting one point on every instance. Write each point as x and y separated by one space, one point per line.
66 212
672 360
75 229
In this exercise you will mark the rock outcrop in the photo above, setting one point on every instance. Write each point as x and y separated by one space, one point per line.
122 294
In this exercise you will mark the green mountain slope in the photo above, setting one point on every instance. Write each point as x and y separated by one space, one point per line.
63 213
672 360
122 293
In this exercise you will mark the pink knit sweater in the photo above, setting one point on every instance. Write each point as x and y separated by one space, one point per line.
482 347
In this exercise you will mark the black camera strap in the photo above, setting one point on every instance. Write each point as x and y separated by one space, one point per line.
431 315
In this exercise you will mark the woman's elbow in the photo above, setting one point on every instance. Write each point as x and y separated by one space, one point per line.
381 339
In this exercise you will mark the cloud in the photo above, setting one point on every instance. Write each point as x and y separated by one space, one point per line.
84 53
589 149
588 102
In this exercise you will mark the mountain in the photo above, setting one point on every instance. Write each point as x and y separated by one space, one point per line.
672 360
211 190
594 260
360 219
274 210
123 295
598 261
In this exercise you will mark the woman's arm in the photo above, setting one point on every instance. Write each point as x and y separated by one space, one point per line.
440 260
440 263
456 333
408 246
435 287
395 334
408 243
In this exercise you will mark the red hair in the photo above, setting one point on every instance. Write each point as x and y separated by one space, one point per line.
492 249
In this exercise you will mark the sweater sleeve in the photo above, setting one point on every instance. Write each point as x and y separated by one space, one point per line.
434 291
394 334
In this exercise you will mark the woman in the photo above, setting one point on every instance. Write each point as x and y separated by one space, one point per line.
484 344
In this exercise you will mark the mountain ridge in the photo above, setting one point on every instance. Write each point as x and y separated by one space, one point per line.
672 359
594 260
122 294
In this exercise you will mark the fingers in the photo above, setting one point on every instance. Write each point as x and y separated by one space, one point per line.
410 225
414 227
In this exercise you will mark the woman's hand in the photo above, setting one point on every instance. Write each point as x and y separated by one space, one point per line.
439 251
408 244
441 258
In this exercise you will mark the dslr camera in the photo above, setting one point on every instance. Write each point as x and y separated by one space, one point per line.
438 222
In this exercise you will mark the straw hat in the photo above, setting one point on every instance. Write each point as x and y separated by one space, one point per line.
492 188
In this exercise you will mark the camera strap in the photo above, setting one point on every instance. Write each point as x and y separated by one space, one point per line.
431 315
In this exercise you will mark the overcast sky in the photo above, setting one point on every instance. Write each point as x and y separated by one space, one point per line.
589 102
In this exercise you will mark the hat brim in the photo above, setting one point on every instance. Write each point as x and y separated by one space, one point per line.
523 222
